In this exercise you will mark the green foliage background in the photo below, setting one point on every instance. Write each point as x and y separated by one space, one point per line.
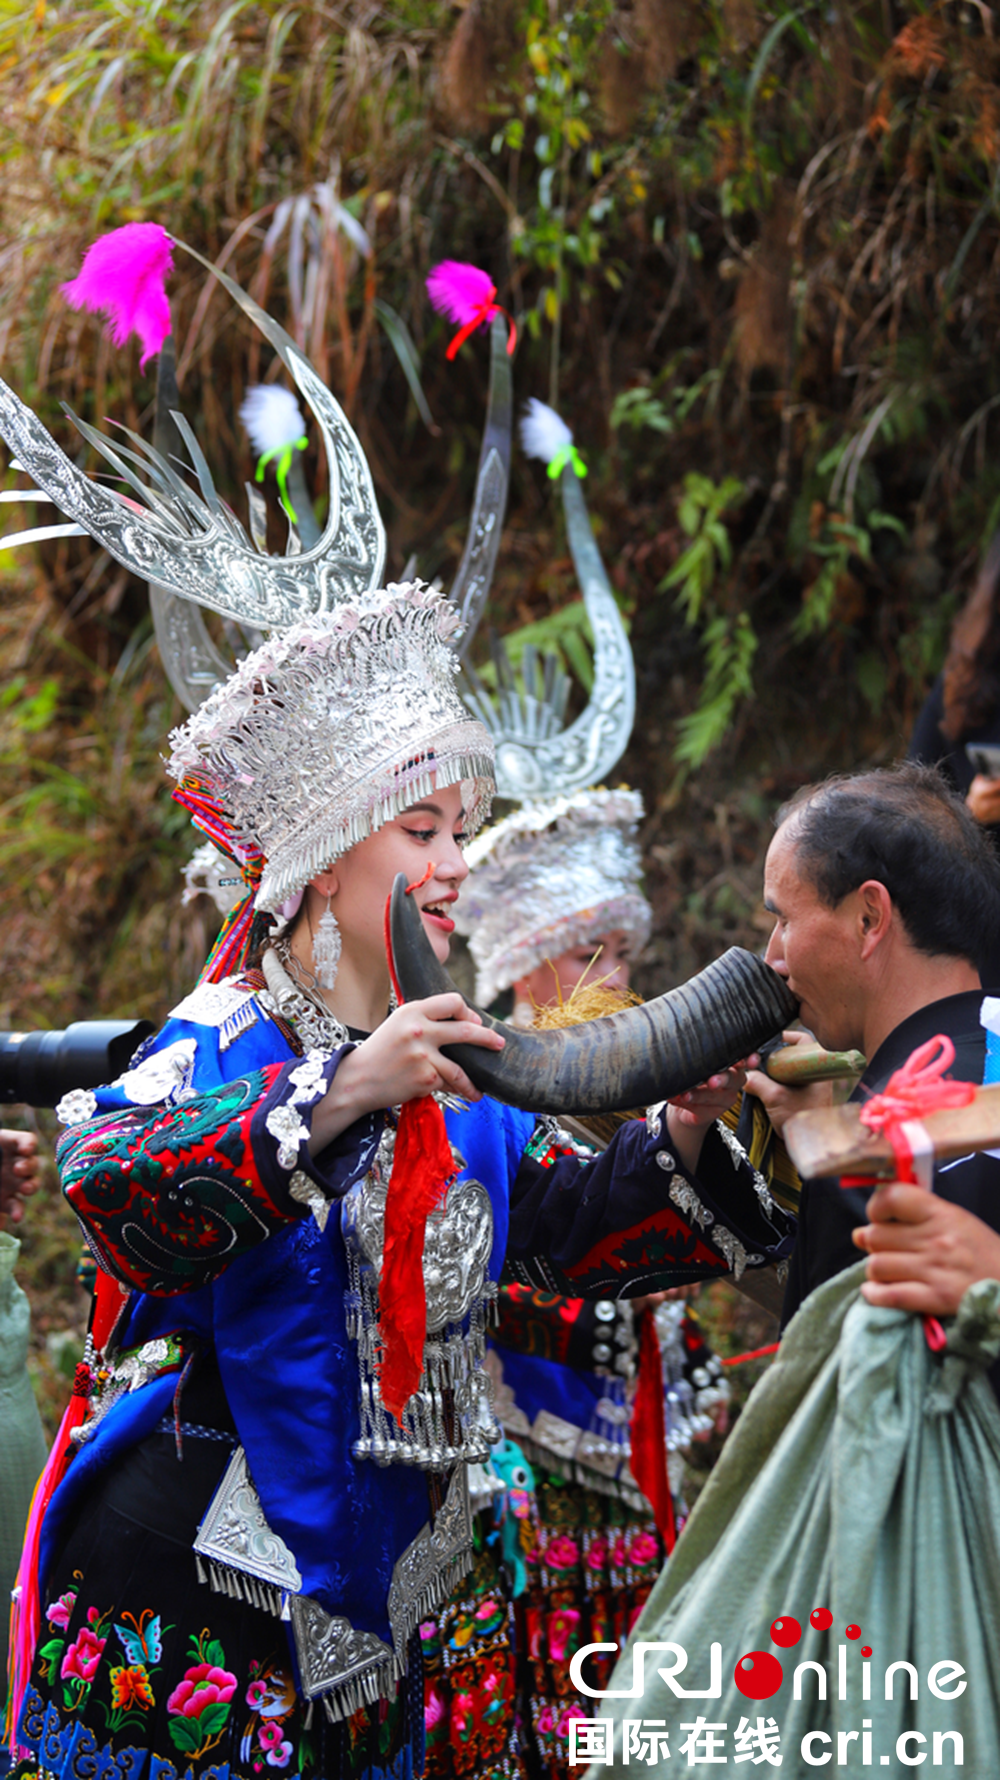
752 250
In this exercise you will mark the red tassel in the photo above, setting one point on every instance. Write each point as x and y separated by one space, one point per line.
649 1434
422 1169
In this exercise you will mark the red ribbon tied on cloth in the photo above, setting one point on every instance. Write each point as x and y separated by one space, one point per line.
911 1092
423 1168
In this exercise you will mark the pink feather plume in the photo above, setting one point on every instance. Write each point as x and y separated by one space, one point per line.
123 277
461 292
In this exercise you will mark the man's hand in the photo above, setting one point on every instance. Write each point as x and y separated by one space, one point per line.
19 1173
690 1115
983 799
780 1102
923 1251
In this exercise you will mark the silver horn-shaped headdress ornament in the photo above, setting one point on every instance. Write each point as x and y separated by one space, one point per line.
537 755
195 546
623 1060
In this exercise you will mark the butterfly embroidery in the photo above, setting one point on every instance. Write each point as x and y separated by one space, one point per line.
145 1644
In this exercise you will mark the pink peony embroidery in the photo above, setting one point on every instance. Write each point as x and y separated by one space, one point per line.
434 1709
202 1686
562 1552
255 1693
597 1555
83 1657
643 1549
60 1611
270 1736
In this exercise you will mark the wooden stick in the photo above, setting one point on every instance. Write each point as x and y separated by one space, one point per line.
832 1140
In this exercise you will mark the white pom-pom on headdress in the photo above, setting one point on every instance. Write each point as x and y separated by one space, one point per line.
272 417
543 433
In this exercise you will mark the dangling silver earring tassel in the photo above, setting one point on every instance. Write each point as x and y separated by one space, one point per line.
326 948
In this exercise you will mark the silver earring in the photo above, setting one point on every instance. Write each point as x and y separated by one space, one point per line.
326 948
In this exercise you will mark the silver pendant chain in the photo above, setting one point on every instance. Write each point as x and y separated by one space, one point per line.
301 1004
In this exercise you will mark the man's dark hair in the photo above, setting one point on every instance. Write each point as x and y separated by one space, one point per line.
907 829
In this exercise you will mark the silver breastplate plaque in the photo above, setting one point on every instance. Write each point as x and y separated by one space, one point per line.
450 1416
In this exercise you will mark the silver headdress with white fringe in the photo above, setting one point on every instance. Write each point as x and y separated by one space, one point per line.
554 875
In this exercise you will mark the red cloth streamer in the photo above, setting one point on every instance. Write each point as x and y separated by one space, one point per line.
485 313
648 1432
423 1168
25 1613
755 1353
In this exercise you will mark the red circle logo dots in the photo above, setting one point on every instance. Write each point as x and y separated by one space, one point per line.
852 1631
866 1650
786 1631
821 1618
758 1675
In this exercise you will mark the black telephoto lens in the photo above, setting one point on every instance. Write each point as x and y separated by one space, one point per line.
38 1068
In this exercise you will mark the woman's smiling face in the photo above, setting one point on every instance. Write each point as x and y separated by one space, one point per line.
429 833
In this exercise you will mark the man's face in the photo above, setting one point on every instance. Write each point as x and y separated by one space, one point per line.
815 947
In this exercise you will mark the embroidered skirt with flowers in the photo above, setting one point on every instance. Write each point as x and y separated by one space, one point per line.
591 1562
142 1670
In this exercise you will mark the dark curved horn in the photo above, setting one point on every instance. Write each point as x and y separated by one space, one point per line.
622 1061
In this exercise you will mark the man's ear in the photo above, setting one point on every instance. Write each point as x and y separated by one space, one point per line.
875 915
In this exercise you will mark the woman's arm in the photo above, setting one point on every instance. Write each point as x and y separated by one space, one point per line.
169 1196
635 1219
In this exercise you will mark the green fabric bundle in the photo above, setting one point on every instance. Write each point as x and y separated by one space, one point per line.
863 1477
22 1443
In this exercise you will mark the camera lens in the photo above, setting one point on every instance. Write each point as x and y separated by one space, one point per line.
38 1068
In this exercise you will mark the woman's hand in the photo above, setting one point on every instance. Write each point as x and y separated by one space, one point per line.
983 799
19 1172
690 1115
400 1061
781 1102
923 1251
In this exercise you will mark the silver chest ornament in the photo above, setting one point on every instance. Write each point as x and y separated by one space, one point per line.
450 1415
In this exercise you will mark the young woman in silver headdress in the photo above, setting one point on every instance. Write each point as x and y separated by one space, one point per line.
260 1491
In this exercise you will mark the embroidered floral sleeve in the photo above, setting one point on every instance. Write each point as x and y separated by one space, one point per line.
169 1196
632 1219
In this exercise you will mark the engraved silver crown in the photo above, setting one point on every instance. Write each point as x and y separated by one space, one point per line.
332 727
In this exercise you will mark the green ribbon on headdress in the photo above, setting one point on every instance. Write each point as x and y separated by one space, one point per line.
284 455
567 454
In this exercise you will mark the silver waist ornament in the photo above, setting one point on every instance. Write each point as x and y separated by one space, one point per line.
449 1419
238 1554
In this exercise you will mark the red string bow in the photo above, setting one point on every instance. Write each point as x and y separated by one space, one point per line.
913 1091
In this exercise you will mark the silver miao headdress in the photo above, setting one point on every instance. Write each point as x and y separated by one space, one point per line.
555 874
331 728
565 869
362 680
